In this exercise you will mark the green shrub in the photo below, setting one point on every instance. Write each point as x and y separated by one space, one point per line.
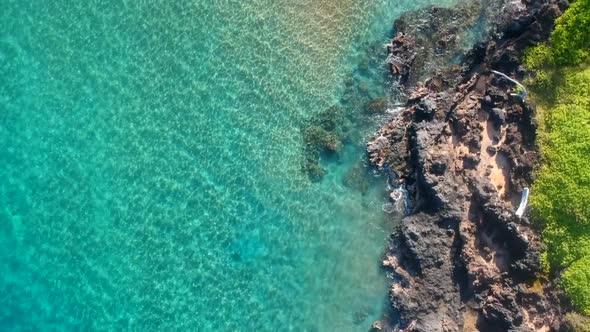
538 57
575 323
561 192
570 42
569 46
543 82
576 282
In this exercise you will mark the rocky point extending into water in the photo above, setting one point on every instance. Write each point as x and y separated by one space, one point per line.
464 147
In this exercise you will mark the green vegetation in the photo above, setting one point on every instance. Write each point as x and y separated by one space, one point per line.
568 47
576 323
576 281
569 41
561 193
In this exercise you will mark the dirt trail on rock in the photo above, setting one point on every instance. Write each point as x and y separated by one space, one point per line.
497 163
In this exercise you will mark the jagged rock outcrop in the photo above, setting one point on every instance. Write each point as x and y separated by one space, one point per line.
466 149
429 38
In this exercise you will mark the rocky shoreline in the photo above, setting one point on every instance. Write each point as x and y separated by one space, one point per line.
463 149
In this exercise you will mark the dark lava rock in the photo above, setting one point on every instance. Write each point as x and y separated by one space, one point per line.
439 167
425 110
487 103
498 117
428 39
427 255
471 161
462 252
492 150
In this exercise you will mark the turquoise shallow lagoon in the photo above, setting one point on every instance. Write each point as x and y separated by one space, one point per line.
150 165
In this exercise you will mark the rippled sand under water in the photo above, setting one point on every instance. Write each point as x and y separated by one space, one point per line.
150 166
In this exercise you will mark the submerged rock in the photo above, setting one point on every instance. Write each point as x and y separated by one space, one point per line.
357 178
321 134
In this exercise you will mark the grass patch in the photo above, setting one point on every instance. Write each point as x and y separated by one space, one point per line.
562 189
561 192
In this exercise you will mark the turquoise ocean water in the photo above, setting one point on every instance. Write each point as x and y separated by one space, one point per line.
150 165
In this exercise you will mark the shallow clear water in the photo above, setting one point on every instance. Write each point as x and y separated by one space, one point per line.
150 165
